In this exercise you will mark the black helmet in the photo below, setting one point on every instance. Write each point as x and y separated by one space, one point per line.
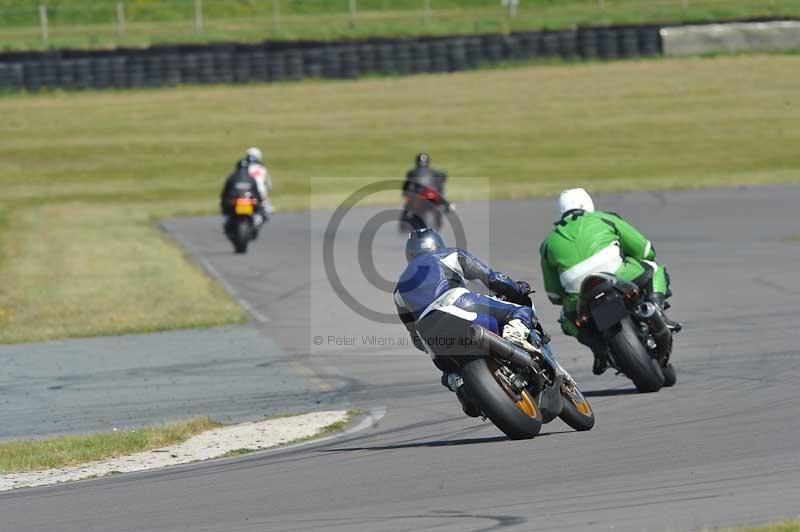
424 240
423 160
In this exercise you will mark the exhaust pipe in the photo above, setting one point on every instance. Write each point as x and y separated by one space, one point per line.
651 314
491 343
646 310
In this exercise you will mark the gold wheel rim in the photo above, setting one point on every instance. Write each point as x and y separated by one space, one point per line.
524 403
582 406
577 399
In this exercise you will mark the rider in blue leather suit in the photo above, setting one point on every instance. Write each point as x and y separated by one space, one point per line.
437 309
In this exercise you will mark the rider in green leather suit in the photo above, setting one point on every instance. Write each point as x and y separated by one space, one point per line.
584 242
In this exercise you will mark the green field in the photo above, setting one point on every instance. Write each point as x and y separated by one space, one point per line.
79 23
85 176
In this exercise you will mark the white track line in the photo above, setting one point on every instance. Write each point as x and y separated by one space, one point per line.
373 416
213 272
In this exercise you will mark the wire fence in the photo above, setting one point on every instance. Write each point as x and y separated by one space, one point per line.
106 23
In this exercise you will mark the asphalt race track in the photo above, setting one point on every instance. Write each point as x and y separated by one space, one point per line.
720 448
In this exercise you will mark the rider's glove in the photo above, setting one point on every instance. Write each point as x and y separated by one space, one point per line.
516 332
524 288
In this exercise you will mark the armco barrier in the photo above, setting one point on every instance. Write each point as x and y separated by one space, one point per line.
160 66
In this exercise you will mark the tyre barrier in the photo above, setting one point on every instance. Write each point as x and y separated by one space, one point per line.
650 41
402 58
294 65
628 42
101 72
367 58
277 66
312 62
439 59
119 71
567 44
493 48
473 49
350 64
420 57
588 43
457 55
240 63
609 48
385 59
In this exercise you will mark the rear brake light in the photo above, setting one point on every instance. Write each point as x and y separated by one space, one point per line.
633 292
582 320
429 194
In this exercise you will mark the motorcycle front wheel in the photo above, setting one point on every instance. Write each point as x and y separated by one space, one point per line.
670 377
576 413
518 416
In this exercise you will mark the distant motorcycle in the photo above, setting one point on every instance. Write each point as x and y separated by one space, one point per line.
520 389
240 227
638 337
422 209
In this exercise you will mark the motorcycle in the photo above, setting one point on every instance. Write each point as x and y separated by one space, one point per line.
422 209
520 389
239 226
639 341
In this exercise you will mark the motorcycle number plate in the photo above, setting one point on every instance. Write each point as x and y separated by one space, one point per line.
244 209
608 312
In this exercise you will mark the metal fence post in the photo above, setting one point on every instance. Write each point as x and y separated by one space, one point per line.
43 22
276 15
426 11
512 8
352 8
120 19
198 16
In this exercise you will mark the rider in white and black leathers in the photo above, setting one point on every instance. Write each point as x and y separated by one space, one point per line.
437 309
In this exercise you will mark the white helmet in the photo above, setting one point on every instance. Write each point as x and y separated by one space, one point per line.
575 198
255 154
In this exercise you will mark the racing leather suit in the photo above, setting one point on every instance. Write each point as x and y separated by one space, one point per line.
260 173
421 177
437 309
583 243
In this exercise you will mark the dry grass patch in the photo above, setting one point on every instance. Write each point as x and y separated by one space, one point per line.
33 455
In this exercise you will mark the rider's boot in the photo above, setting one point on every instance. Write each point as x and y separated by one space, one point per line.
659 300
597 344
600 364
454 383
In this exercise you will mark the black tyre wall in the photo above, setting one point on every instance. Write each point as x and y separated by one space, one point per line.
239 63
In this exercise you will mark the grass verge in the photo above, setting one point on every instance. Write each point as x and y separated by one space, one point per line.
785 526
85 175
33 455
75 23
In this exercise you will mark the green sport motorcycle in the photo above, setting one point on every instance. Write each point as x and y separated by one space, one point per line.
639 341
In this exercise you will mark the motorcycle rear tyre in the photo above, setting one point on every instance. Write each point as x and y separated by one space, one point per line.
241 235
634 360
497 404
